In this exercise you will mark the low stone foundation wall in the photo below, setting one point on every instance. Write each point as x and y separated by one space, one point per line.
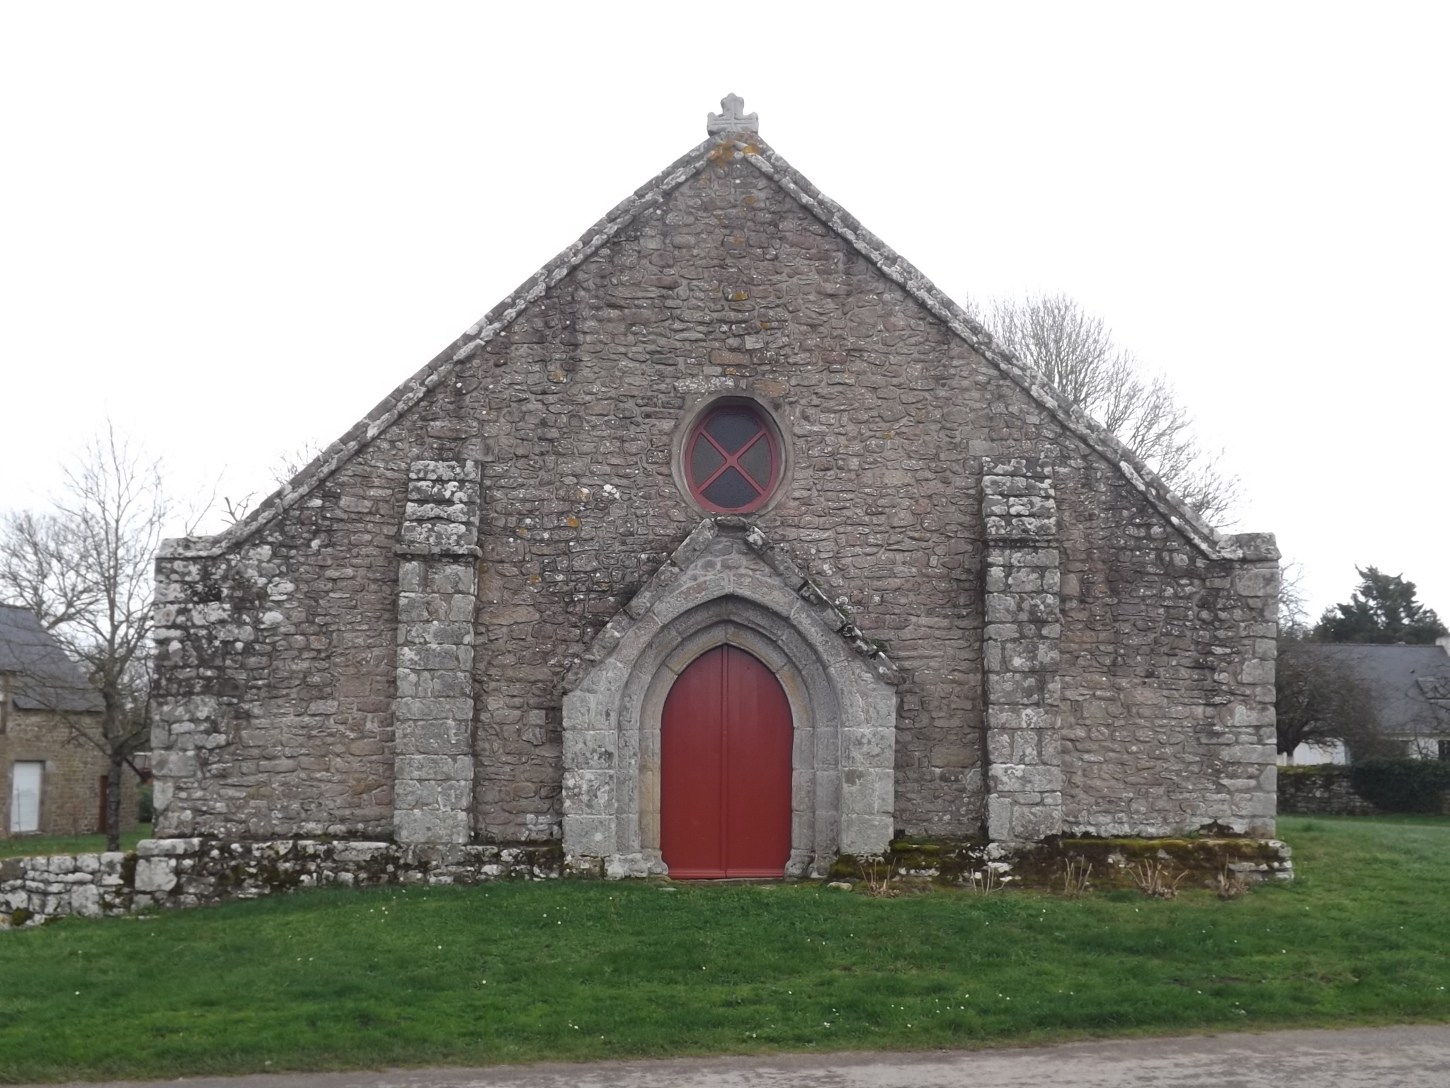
1320 791
1115 863
170 873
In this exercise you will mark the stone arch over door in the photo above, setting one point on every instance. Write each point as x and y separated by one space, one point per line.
722 588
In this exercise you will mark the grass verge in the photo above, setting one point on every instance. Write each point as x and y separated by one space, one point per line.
340 979
36 845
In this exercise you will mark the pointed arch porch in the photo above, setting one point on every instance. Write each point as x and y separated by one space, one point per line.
724 587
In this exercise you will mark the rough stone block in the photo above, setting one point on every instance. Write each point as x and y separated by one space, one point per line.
434 768
443 470
1032 824
588 836
588 793
1014 689
1256 581
866 792
432 795
589 750
868 747
1016 778
162 848
432 826
1256 671
85 900
448 737
864 834
155 874
433 709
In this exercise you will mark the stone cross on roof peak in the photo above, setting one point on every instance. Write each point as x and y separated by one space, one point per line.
732 120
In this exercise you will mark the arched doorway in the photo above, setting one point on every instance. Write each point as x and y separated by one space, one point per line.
725 769
728 585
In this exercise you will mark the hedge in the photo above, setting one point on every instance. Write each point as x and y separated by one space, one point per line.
1402 785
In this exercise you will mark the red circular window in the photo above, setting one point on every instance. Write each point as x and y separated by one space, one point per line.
732 459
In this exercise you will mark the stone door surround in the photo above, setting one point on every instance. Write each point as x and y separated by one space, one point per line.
727 585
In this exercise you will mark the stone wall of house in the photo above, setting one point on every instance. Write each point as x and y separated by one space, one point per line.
1323 791
70 792
279 657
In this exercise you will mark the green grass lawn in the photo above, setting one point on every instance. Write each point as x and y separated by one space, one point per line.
35 845
337 979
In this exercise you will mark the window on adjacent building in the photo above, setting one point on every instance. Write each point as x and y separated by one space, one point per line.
732 459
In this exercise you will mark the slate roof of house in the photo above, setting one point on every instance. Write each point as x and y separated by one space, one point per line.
740 142
1411 684
40 675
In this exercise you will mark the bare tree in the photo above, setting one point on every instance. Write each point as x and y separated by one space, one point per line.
33 573
1319 698
1076 353
1293 606
284 468
86 569
286 465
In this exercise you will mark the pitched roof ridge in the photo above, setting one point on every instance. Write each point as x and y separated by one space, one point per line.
412 389
846 226
912 280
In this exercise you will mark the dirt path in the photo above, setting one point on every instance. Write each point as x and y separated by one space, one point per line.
1394 1057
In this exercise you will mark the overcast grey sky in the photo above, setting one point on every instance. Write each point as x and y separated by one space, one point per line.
236 227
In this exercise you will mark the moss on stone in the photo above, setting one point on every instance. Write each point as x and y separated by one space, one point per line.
1043 865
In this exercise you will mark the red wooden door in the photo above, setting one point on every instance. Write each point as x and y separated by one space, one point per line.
725 769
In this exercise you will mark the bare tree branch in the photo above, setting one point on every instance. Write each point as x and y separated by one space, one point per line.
32 573
1320 698
1076 353
284 468
87 570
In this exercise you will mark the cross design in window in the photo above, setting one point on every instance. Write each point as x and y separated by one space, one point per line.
733 460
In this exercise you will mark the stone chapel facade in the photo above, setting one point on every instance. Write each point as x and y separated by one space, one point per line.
727 451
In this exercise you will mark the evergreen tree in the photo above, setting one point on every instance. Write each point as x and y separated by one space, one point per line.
1382 610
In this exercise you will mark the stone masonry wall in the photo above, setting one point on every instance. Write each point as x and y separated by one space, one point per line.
192 872
1167 671
277 671
167 874
279 657
1321 791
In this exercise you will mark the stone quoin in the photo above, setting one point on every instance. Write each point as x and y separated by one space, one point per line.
727 415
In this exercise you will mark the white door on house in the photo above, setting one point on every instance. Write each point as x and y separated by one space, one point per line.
25 797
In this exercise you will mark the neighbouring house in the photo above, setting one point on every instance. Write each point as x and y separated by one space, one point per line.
1409 688
1313 753
726 545
54 781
